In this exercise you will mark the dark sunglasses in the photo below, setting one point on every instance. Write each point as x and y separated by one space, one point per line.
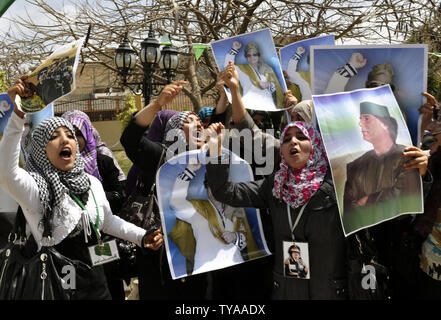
375 84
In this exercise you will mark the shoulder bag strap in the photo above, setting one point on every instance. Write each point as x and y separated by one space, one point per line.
19 228
161 159
140 184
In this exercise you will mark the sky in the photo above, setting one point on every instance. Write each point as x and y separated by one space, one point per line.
20 7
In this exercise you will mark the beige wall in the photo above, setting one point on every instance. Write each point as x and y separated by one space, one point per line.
110 132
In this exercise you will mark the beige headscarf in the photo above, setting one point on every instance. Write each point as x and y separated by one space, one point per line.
383 73
305 109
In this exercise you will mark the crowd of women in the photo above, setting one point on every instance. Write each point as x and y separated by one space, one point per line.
68 162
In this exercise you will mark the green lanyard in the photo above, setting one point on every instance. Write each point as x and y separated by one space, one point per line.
94 225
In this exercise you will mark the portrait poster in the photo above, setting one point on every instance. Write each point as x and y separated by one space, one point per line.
296 260
295 61
6 109
54 78
7 204
346 68
364 134
32 121
261 79
200 233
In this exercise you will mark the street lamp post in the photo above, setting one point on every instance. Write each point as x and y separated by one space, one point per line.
150 56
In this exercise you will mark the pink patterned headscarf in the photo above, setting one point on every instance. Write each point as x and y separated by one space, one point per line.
297 186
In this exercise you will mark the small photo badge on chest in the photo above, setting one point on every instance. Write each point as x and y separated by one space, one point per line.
296 260
101 254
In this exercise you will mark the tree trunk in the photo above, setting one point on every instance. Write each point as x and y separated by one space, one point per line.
195 93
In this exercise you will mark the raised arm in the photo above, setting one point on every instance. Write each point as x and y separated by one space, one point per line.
341 77
244 194
231 55
230 77
222 103
183 209
146 115
295 77
144 153
427 111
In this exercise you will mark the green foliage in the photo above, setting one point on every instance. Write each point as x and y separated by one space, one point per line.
126 112
429 34
3 85
434 77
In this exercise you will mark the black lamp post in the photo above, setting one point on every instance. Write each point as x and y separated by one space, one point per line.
151 56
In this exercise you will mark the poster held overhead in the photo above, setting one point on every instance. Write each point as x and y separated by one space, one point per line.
54 78
295 61
364 134
403 67
6 108
261 79
202 234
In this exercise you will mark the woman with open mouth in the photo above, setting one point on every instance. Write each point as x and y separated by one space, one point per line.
183 131
54 187
301 200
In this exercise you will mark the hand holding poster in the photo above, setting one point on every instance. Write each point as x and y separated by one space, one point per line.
364 134
54 78
262 85
203 234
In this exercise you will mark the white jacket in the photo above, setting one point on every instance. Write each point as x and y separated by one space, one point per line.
20 185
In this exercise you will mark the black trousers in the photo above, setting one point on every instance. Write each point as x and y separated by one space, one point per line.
156 283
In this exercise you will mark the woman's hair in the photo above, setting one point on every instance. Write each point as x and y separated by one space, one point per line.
262 67
305 109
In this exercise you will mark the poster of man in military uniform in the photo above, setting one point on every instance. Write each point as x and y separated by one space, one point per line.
365 134
54 78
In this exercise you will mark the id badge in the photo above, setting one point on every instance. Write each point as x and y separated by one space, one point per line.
101 254
296 260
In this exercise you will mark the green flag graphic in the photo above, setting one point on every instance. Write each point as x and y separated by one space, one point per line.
199 50
165 40
4 5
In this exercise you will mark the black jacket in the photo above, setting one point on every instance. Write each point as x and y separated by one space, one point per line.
319 226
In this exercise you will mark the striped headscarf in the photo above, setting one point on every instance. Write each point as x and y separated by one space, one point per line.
174 133
205 112
54 184
297 186
82 122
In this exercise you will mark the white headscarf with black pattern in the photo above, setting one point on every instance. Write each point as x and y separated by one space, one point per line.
54 184
174 133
